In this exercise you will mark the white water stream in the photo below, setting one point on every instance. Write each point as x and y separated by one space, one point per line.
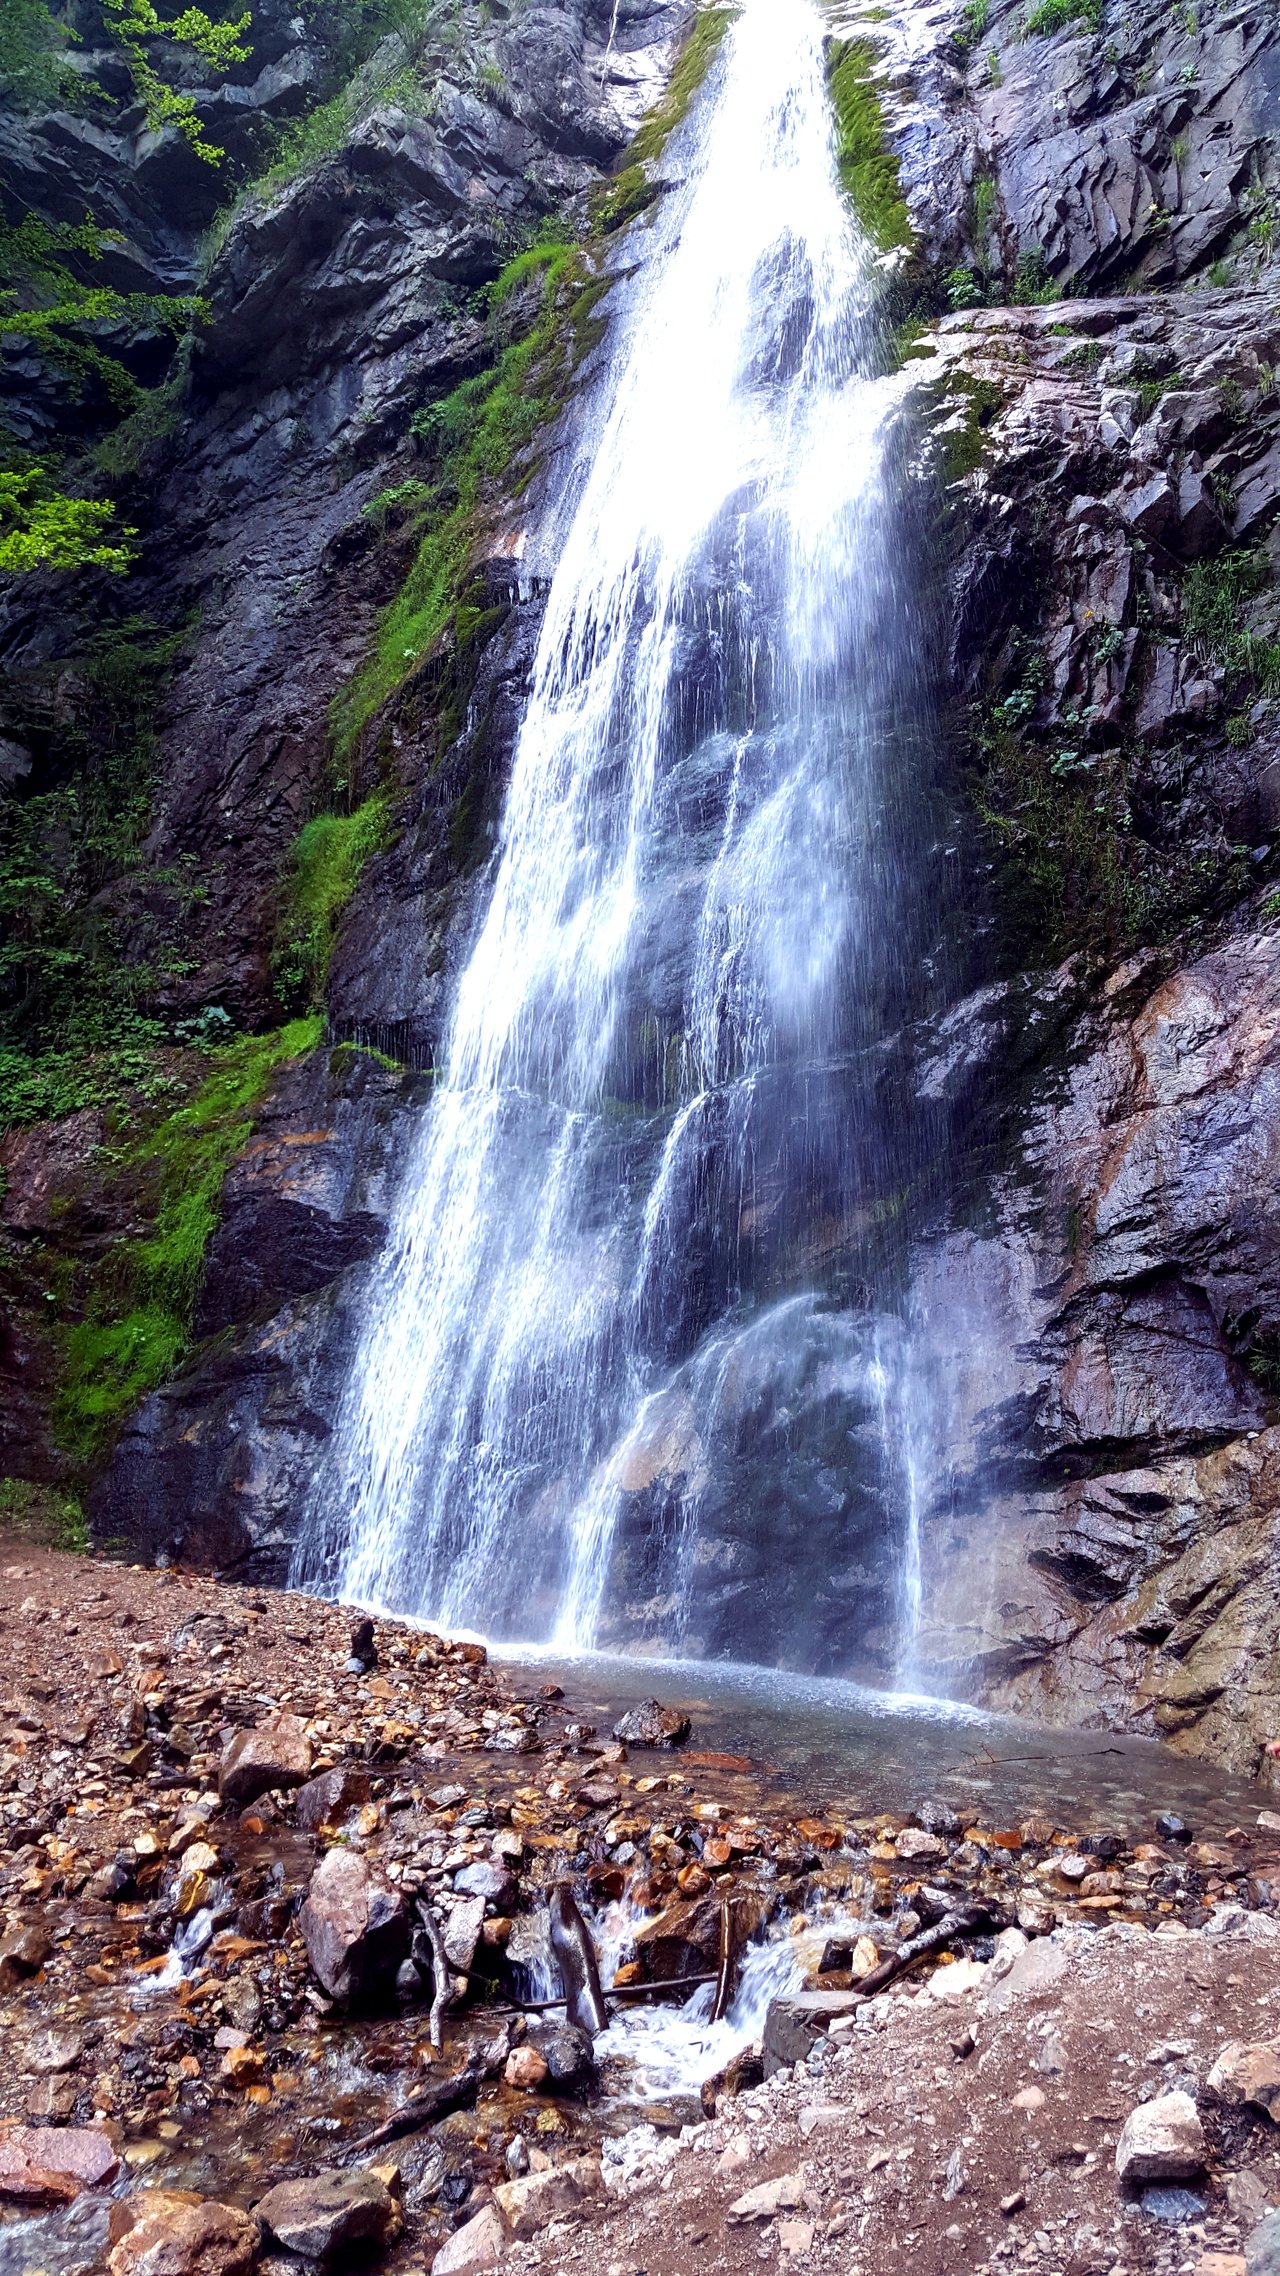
658 1115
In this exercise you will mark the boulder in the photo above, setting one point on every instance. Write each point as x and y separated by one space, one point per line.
326 1800
525 2067
45 2164
326 2215
530 2203
1249 2074
652 1725
768 2198
794 2024
274 1755
480 2244
462 1933
171 2234
23 1953
1161 2140
566 2051
919 1846
355 1927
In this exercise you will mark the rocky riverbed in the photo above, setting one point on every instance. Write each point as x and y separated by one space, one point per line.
257 1852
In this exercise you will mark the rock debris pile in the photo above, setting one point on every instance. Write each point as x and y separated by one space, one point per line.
282 1903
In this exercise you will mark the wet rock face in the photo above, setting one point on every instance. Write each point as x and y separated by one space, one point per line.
1102 1289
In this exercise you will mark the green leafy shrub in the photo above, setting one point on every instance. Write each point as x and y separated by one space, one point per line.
1033 287
76 1027
974 19
1050 16
41 1514
963 289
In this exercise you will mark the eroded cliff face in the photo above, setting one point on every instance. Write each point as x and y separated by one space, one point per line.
1099 1308
1097 1276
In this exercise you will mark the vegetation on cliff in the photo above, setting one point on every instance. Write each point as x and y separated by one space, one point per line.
135 1320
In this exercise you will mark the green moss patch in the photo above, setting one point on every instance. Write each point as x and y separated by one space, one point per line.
137 1322
963 440
328 856
472 438
868 169
692 65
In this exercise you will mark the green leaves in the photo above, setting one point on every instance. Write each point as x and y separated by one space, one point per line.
134 22
42 529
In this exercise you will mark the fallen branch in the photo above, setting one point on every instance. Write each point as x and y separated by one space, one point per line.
436 2101
966 1920
728 1954
441 1986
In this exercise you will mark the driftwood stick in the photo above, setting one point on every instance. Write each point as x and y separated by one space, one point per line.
435 2101
441 1987
967 1920
728 1954
616 1991
576 1959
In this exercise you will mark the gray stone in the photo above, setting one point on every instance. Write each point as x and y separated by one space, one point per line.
324 2217
479 2244
1162 2140
795 2023
328 1799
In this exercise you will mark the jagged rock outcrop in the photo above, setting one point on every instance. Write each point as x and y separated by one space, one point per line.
1102 1304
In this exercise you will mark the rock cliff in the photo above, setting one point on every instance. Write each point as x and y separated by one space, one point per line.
1097 425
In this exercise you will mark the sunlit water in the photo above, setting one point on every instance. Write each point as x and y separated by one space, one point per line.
628 1308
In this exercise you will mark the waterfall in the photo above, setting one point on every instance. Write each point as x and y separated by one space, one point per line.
621 1372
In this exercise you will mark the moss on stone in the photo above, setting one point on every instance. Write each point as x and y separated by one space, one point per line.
867 166
324 868
136 1324
475 436
962 441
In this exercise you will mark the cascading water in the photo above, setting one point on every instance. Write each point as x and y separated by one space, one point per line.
628 1336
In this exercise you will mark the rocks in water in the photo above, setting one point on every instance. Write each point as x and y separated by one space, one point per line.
1170 1827
328 1799
327 2215
1162 2140
45 2164
525 2067
528 2204
356 1929
652 1725
919 1846
566 2051
462 1933
23 1953
1249 2074
935 1817
479 2245
169 2235
274 1755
